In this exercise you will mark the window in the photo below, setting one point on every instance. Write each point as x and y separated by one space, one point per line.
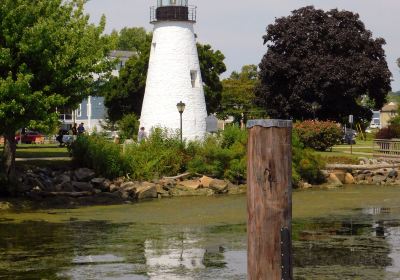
78 112
154 46
193 77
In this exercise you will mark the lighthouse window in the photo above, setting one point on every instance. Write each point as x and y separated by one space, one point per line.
193 77
154 46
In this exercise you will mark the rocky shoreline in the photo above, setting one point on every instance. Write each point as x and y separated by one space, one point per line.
378 172
48 188
82 187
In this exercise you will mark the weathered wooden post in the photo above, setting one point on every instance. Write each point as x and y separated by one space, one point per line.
269 200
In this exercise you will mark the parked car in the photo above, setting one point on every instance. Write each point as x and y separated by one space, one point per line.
30 137
349 137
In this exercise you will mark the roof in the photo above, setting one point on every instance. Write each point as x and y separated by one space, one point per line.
390 107
121 54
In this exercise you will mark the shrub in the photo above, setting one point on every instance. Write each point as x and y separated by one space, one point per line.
128 126
103 156
318 135
306 164
221 156
161 155
392 131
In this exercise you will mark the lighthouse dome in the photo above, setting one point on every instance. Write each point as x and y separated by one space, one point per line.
162 3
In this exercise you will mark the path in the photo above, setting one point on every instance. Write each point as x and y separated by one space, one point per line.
44 158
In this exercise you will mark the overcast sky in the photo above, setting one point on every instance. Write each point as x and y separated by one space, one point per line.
236 27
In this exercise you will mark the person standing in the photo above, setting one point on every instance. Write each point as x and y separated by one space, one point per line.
81 129
142 135
74 130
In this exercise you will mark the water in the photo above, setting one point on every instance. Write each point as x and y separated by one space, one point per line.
349 233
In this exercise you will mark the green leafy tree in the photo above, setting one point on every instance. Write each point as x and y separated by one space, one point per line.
211 67
325 57
124 94
238 98
49 55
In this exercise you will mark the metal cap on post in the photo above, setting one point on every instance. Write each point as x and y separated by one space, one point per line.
269 199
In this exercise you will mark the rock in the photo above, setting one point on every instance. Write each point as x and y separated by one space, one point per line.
393 173
65 187
333 182
35 182
325 173
97 181
205 181
304 185
119 181
340 175
146 190
360 177
161 191
191 184
113 188
123 194
183 191
62 178
363 160
349 179
84 174
235 189
219 186
82 186
378 179
127 185
167 182
5 206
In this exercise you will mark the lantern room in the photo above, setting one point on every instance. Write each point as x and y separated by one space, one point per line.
172 10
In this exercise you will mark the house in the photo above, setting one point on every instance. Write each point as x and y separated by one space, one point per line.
92 111
376 120
387 113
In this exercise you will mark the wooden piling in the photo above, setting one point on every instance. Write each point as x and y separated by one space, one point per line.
269 200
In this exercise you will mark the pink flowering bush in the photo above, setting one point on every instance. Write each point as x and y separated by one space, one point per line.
318 135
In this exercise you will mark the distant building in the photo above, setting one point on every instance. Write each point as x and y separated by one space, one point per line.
376 120
387 113
91 112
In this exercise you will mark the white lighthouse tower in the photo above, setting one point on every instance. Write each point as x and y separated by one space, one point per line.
174 72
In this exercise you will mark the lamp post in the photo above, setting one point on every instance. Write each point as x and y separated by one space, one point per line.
181 107
314 107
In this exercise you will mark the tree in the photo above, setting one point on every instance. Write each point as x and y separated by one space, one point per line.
238 95
49 57
211 67
323 57
124 94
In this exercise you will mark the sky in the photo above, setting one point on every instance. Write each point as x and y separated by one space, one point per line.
236 27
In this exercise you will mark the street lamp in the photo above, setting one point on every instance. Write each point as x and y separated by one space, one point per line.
314 107
181 107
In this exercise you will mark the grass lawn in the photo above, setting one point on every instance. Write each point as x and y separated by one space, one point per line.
341 153
39 151
53 164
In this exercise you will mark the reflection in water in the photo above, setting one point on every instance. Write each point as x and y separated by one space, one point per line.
361 241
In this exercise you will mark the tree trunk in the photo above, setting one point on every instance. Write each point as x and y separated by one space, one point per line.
9 155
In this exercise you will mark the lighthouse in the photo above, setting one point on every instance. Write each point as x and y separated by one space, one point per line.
174 72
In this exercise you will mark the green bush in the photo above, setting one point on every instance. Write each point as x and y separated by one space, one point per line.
103 156
221 156
161 155
318 135
128 126
306 164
